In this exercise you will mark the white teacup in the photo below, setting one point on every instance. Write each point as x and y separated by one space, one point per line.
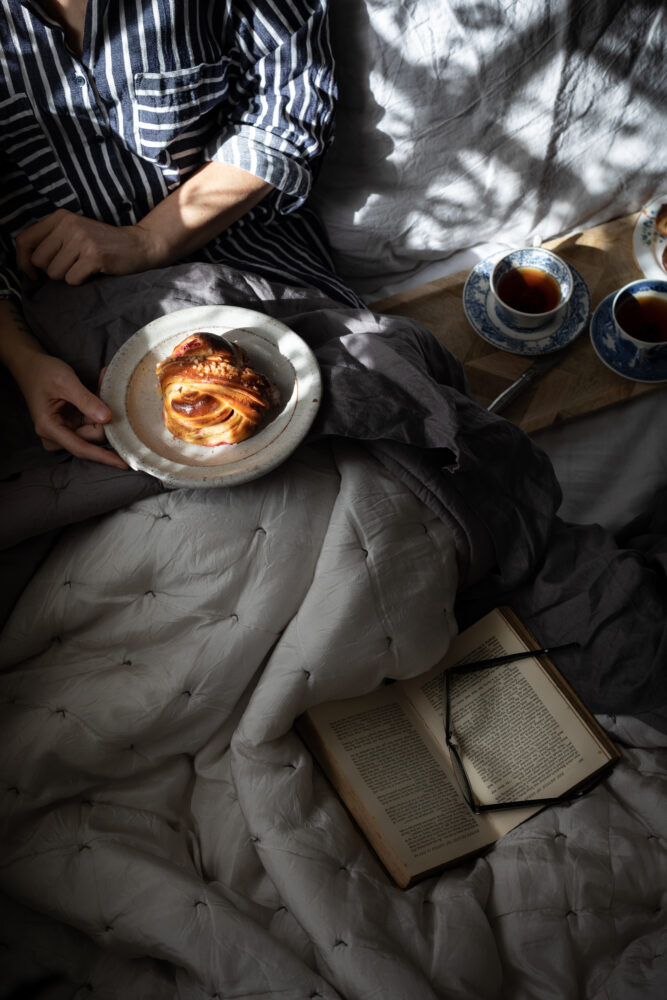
531 288
639 310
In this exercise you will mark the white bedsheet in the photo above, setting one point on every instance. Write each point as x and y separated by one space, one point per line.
461 123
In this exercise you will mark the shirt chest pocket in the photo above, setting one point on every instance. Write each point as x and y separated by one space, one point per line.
175 112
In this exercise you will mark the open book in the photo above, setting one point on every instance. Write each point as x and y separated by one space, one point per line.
522 731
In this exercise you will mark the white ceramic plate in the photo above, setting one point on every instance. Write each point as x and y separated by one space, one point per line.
648 245
130 389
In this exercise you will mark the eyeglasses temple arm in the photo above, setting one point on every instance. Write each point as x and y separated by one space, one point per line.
496 661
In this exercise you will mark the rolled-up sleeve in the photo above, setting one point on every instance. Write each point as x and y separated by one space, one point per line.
283 95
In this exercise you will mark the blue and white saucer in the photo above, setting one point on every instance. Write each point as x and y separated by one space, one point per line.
618 353
479 306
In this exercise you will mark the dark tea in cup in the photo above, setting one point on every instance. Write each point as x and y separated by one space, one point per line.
643 317
529 290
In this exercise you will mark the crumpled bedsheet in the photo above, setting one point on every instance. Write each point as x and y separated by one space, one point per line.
462 124
166 834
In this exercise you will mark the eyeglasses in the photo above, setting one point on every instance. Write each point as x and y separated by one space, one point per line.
453 745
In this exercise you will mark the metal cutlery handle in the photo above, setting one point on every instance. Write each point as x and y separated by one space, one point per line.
536 370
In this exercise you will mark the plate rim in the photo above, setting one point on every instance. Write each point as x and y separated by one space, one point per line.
141 457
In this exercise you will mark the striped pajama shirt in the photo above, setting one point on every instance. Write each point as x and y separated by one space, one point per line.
162 87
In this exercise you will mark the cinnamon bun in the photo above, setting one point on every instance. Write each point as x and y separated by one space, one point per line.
211 395
661 220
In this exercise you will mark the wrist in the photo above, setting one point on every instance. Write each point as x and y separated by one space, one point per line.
153 249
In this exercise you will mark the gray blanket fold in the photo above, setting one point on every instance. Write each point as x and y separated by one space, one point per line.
389 384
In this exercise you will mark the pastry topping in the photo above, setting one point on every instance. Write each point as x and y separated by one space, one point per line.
211 394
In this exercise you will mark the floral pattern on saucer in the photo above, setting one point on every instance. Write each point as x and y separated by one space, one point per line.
479 306
648 245
619 354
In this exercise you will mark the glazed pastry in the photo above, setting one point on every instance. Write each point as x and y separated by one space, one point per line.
661 220
211 395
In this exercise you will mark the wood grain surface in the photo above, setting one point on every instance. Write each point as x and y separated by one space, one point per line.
580 384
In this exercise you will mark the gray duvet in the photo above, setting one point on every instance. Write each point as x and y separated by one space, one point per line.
165 833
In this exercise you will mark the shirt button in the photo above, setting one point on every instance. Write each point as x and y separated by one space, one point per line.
81 80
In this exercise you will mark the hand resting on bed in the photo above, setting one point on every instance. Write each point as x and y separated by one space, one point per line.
65 414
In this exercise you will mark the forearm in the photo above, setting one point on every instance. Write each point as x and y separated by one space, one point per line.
208 202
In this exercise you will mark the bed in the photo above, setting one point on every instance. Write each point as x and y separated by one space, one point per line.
165 832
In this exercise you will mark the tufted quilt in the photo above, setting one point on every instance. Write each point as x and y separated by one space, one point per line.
167 835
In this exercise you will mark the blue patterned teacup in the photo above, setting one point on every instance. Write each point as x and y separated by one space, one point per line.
531 288
640 316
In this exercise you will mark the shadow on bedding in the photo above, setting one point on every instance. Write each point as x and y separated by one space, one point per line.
461 124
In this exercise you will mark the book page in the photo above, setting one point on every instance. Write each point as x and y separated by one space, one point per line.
401 778
518 735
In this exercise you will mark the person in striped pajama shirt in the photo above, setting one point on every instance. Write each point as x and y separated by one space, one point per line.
139 133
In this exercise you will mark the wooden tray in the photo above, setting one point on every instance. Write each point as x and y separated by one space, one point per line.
580 384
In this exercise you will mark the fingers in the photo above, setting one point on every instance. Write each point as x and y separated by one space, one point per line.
63 245
26 243
81 268
81 444
65 413
93 409
55 257
75 444
91 432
